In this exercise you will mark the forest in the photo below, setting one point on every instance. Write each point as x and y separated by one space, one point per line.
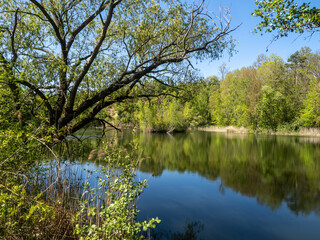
271 94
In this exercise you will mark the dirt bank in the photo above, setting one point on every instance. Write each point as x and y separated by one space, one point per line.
308 132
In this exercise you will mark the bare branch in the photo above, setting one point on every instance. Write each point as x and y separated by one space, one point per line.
191 23
48 87
106 122
28 13
161 82
52 22
85 23
14 52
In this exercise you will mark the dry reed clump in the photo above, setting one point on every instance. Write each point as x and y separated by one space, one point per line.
229 129
315 132
59 227
310 132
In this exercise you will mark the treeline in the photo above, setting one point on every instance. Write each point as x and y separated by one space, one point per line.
271 94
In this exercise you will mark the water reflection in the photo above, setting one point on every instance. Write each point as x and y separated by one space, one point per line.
191 231
272 169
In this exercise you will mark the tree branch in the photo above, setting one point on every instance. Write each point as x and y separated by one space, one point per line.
53 24
14 52
111 89
85 23
106 122
73 92
39 93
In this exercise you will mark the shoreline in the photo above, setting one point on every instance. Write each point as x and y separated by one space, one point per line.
303 132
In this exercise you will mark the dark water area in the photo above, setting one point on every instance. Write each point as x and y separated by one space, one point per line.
224 186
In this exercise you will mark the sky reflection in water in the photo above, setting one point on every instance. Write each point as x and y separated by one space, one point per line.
230 186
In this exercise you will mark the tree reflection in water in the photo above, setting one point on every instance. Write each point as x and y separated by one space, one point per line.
273 169
192 230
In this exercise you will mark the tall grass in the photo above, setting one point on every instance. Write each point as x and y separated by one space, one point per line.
60 200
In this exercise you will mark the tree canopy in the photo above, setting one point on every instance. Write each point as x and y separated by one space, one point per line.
286 16
62 62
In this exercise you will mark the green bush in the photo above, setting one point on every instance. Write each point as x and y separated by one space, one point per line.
109 212
43 204
23 216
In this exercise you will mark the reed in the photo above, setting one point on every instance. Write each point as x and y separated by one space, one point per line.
60 200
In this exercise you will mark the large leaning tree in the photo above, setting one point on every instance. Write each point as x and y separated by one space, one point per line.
287 16
73 58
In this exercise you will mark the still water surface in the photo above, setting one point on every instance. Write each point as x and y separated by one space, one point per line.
226 186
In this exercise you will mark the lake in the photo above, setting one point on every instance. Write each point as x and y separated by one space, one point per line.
205 185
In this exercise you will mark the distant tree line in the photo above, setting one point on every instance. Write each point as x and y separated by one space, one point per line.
271 94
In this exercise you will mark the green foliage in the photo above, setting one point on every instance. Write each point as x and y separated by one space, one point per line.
162 114
73 59
271 107
215 105
286 16
199 102
310 115
109 212
32 205
23 216
234 106
272 94
126 113
187 106
232 102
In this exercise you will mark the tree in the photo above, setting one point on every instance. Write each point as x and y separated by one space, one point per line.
79 57
271 71
277 92
286 16
235 97
223 70
215 105
310 115
303 67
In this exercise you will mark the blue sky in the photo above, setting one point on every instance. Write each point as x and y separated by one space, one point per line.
250 45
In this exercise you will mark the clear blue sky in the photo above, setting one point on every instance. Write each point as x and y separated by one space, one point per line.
250 45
